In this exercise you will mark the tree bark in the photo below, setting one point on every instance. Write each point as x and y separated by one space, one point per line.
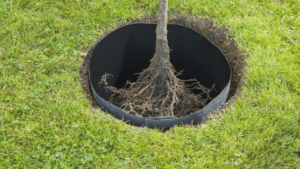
162 51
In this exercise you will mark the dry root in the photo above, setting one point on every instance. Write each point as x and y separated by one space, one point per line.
158 94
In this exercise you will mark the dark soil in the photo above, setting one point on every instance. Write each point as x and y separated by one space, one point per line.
201 25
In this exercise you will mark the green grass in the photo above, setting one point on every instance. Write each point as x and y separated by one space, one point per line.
46 122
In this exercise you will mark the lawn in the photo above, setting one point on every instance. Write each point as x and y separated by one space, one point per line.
46 120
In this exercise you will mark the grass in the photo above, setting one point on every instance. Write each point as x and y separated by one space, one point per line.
46 122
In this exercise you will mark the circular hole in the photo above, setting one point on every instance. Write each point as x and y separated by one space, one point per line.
203 26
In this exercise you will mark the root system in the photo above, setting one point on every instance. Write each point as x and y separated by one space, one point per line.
153 95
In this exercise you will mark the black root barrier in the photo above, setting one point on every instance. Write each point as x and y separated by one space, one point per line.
128 50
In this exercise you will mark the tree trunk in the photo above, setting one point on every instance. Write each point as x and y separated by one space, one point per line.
162 51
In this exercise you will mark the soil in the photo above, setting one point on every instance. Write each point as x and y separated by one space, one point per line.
204 26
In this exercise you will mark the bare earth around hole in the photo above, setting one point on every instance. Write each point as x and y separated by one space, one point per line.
158 92
202 25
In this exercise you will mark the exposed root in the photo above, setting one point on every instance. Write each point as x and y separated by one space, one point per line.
156 95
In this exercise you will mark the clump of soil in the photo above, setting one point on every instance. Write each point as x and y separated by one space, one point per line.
215 35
